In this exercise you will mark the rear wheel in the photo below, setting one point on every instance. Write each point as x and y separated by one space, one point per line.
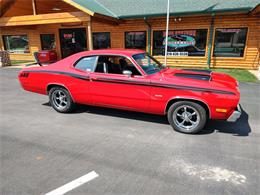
61 100
187 117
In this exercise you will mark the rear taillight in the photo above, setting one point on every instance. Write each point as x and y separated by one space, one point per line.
24 74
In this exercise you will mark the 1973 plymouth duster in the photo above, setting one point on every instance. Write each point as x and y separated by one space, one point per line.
133 80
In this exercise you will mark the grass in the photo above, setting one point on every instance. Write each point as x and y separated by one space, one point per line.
18 62
240 74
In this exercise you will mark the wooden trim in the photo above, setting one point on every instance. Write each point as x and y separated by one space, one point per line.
79 7
34 7
44 19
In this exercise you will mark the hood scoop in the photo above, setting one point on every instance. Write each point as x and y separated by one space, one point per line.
204 75
198 71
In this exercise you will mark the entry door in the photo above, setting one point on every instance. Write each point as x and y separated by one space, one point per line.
72 41
120 91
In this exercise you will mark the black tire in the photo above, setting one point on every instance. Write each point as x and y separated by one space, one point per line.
65 98
195 115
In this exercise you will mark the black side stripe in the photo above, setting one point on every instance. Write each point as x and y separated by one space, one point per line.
62 73
160 85
121 81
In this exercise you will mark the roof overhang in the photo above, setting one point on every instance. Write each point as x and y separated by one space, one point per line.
199 13
255 11
44 19
78 6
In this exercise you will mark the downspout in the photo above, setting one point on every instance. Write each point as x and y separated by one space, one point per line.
211 31
149 32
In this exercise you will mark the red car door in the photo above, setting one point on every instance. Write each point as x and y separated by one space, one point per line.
111 88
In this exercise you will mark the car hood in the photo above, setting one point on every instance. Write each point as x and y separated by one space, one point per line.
198 78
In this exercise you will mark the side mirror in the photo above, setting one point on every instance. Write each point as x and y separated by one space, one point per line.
127 72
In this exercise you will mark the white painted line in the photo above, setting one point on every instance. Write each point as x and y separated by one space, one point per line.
74 184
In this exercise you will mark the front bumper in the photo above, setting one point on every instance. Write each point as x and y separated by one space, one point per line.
235 115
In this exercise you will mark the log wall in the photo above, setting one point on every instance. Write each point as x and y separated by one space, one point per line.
117 33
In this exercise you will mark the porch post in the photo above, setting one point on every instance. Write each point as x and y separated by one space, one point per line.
1 43
89 36
149 32
210 40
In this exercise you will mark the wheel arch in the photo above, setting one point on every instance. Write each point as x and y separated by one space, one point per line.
51 85
195 100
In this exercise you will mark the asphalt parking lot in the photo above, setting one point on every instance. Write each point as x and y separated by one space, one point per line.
132 153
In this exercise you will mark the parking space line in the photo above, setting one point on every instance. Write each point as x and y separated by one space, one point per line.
74 184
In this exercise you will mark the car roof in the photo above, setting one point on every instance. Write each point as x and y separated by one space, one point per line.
124 52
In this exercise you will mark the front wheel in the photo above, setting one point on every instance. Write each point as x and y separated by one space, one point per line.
61 100
187 117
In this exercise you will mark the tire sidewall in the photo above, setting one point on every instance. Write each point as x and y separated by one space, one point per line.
201 111
69 105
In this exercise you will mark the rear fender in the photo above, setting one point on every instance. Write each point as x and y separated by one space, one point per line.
50 85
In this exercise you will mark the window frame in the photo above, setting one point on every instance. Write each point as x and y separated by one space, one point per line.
15 53
42 34
196 57
145 48
102 32
130 59
225 57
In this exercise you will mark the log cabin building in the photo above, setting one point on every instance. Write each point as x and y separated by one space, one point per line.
202 33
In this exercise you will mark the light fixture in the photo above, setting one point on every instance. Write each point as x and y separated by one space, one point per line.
177 19
56 9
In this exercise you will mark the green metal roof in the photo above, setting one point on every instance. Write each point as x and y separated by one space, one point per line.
148 8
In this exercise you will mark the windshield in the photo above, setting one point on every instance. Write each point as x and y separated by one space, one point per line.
148 63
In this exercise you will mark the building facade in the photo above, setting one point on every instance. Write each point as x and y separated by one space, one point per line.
227 36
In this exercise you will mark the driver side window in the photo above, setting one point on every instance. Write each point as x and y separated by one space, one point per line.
115 65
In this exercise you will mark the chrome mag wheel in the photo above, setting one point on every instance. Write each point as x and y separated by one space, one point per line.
186 117
59 99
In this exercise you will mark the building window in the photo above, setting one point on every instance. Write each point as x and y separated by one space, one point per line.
48 41
135 40
101 40
16 43
181 42
230 42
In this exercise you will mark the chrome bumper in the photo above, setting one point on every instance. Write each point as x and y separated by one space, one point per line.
235 115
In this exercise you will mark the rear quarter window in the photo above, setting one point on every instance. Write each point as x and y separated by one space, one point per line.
86 63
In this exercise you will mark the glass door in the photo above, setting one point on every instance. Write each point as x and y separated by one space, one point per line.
72 40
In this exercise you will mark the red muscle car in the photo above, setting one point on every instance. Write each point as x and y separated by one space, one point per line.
133 80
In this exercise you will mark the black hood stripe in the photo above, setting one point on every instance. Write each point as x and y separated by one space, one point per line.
121 81
198 70
201 77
